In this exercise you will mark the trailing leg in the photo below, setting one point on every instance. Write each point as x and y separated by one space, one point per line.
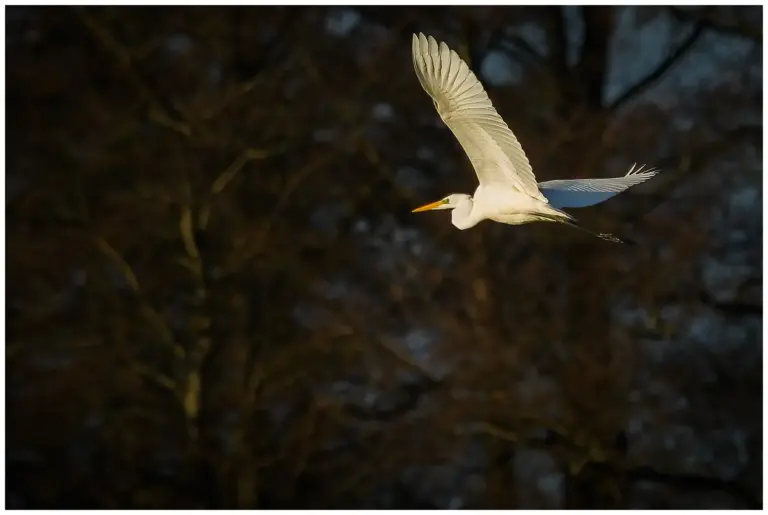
602 235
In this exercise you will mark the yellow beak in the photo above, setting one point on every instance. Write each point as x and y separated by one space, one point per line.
429 206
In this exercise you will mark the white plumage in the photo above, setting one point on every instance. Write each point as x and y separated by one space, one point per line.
464 106
508 191
588 192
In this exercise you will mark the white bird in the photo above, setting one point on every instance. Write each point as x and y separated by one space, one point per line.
508 191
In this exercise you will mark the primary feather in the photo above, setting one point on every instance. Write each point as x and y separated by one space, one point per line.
588 192
464 106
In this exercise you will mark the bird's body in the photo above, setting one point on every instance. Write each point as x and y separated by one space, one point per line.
508 192
500 205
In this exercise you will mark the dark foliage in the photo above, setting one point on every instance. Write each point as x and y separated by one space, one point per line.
218 298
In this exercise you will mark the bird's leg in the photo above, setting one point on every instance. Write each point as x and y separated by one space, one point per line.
602 235
564 218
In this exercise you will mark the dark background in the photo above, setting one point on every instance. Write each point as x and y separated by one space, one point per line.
217 296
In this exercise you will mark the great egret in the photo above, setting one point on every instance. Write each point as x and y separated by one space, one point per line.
508 191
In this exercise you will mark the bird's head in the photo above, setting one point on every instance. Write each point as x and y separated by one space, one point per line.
449 202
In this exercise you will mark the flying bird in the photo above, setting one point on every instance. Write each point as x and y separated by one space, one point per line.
508 191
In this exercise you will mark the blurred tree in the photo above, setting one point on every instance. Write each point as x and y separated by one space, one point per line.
217 297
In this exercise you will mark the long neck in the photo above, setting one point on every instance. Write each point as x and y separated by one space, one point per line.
462 216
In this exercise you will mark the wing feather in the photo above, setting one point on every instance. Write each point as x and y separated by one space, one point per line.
464 106
588 192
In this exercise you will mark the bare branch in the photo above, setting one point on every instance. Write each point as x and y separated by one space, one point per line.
413 394
222 180
256 245
662 68
690 482
510 42
739 29
610 462
201 321
133 283
733 308
156 377
187 236
157 113
557 41
593 66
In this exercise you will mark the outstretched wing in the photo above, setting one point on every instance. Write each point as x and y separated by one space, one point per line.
464 106
588 192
